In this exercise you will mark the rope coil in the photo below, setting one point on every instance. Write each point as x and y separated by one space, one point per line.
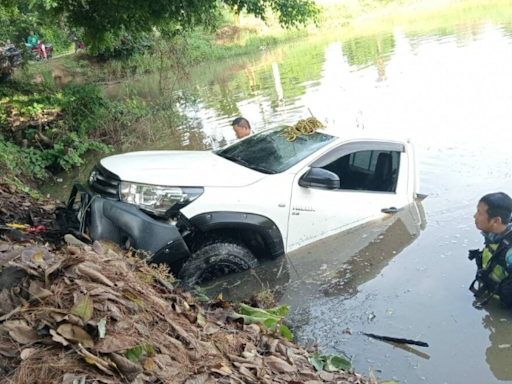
303 127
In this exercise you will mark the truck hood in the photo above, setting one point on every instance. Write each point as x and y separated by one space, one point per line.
180 169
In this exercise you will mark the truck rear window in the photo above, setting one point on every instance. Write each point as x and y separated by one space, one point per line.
270 152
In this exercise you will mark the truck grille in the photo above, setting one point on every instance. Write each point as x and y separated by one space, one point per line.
104 183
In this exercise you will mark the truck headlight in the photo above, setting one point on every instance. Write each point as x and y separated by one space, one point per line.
156 199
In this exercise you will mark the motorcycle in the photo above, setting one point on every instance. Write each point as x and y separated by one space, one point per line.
37 51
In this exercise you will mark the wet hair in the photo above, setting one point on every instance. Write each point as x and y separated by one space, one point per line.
241 121
499 204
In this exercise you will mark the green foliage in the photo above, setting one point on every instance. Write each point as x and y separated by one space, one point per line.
78 119
15 21
84 104
135 354
270 318
105 22
330 363
57 36
12 159
127 46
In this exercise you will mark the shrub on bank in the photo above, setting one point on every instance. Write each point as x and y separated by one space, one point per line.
43 129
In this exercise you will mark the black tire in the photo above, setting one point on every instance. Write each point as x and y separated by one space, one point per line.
215 258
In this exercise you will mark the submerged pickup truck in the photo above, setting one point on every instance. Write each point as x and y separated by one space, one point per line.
208 213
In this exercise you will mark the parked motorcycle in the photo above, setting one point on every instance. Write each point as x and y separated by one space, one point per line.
37 52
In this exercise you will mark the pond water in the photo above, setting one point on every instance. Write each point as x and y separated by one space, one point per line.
441 77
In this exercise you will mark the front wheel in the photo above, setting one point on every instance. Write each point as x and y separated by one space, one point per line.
217 258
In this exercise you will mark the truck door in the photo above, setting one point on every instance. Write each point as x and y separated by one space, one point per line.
373 181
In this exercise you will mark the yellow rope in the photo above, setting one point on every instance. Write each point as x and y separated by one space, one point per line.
303 127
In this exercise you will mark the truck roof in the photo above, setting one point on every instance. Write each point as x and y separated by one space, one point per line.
345 133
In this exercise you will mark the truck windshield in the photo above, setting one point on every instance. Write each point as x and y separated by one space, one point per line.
270 152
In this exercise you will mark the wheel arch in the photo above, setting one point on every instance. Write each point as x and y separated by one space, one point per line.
247 227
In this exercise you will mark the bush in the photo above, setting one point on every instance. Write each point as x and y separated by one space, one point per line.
56 36
58 128
85 105
127 47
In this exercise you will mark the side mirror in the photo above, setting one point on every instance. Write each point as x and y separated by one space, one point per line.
320 178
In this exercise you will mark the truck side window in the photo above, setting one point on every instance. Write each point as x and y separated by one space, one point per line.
367 170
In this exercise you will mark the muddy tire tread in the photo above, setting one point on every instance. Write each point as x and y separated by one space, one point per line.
212 247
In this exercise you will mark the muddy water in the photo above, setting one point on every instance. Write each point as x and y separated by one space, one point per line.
444 79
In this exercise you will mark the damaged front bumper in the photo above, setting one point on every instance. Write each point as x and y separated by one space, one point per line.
122 223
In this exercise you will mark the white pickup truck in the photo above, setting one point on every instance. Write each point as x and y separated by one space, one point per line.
207 213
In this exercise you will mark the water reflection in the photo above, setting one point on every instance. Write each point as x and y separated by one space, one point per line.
366 264
497 321
335 266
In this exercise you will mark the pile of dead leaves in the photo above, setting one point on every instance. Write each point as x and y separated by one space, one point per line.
98 315
24 217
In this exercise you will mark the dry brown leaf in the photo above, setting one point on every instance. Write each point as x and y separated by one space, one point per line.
37 292
114 311
312 376
35 256
94 360
253 328
71 378
76 334
83 308
8 351
7 301
249 376
326 376
58 338
24 334
59 317
204 378
168 370
93 275
279 365
221 369
210 329
149 364
126 367
62 264
115 344
27 352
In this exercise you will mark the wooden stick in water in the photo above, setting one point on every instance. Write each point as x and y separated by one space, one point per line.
396 340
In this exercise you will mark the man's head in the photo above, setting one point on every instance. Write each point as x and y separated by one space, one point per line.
8 42
241 127
31 33
493 212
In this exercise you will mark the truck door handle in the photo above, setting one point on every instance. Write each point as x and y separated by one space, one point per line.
391 210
